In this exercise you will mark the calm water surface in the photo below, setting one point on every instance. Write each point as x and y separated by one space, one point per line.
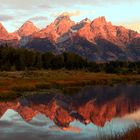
86 114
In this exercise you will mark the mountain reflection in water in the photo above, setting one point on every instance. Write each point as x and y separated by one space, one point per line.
92 107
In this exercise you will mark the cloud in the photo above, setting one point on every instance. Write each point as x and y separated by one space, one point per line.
6 17
39 18
76 13
47 3
133 26
71 14
45 6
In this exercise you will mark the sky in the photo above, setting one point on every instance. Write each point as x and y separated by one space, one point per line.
13 13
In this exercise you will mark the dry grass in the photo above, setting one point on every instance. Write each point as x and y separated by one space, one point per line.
35 80
131 134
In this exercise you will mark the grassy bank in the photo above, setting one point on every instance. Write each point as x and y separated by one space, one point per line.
12 83
131 134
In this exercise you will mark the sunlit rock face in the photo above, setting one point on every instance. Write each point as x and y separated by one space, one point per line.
28 28
95 107
96 40
55 30
4 106
101 29
63 24
3 31
5 36
25 32
10 39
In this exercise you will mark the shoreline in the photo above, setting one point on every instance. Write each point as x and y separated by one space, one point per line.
22 81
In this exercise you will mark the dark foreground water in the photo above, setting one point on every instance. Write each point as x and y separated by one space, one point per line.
90 113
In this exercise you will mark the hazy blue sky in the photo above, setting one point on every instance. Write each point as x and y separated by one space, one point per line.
14 13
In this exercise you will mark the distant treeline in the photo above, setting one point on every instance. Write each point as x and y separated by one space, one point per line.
22 59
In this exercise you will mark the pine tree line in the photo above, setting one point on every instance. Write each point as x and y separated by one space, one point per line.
22 59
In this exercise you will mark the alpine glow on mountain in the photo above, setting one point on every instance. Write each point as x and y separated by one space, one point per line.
42 12
97 40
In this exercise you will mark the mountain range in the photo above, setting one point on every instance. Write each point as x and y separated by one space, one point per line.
96 40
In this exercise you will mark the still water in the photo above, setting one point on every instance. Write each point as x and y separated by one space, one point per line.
88 113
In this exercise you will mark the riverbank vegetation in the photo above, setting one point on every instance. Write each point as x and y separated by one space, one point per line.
14 83
24 70
132 134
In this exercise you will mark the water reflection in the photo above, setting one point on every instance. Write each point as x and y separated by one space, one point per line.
93 107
